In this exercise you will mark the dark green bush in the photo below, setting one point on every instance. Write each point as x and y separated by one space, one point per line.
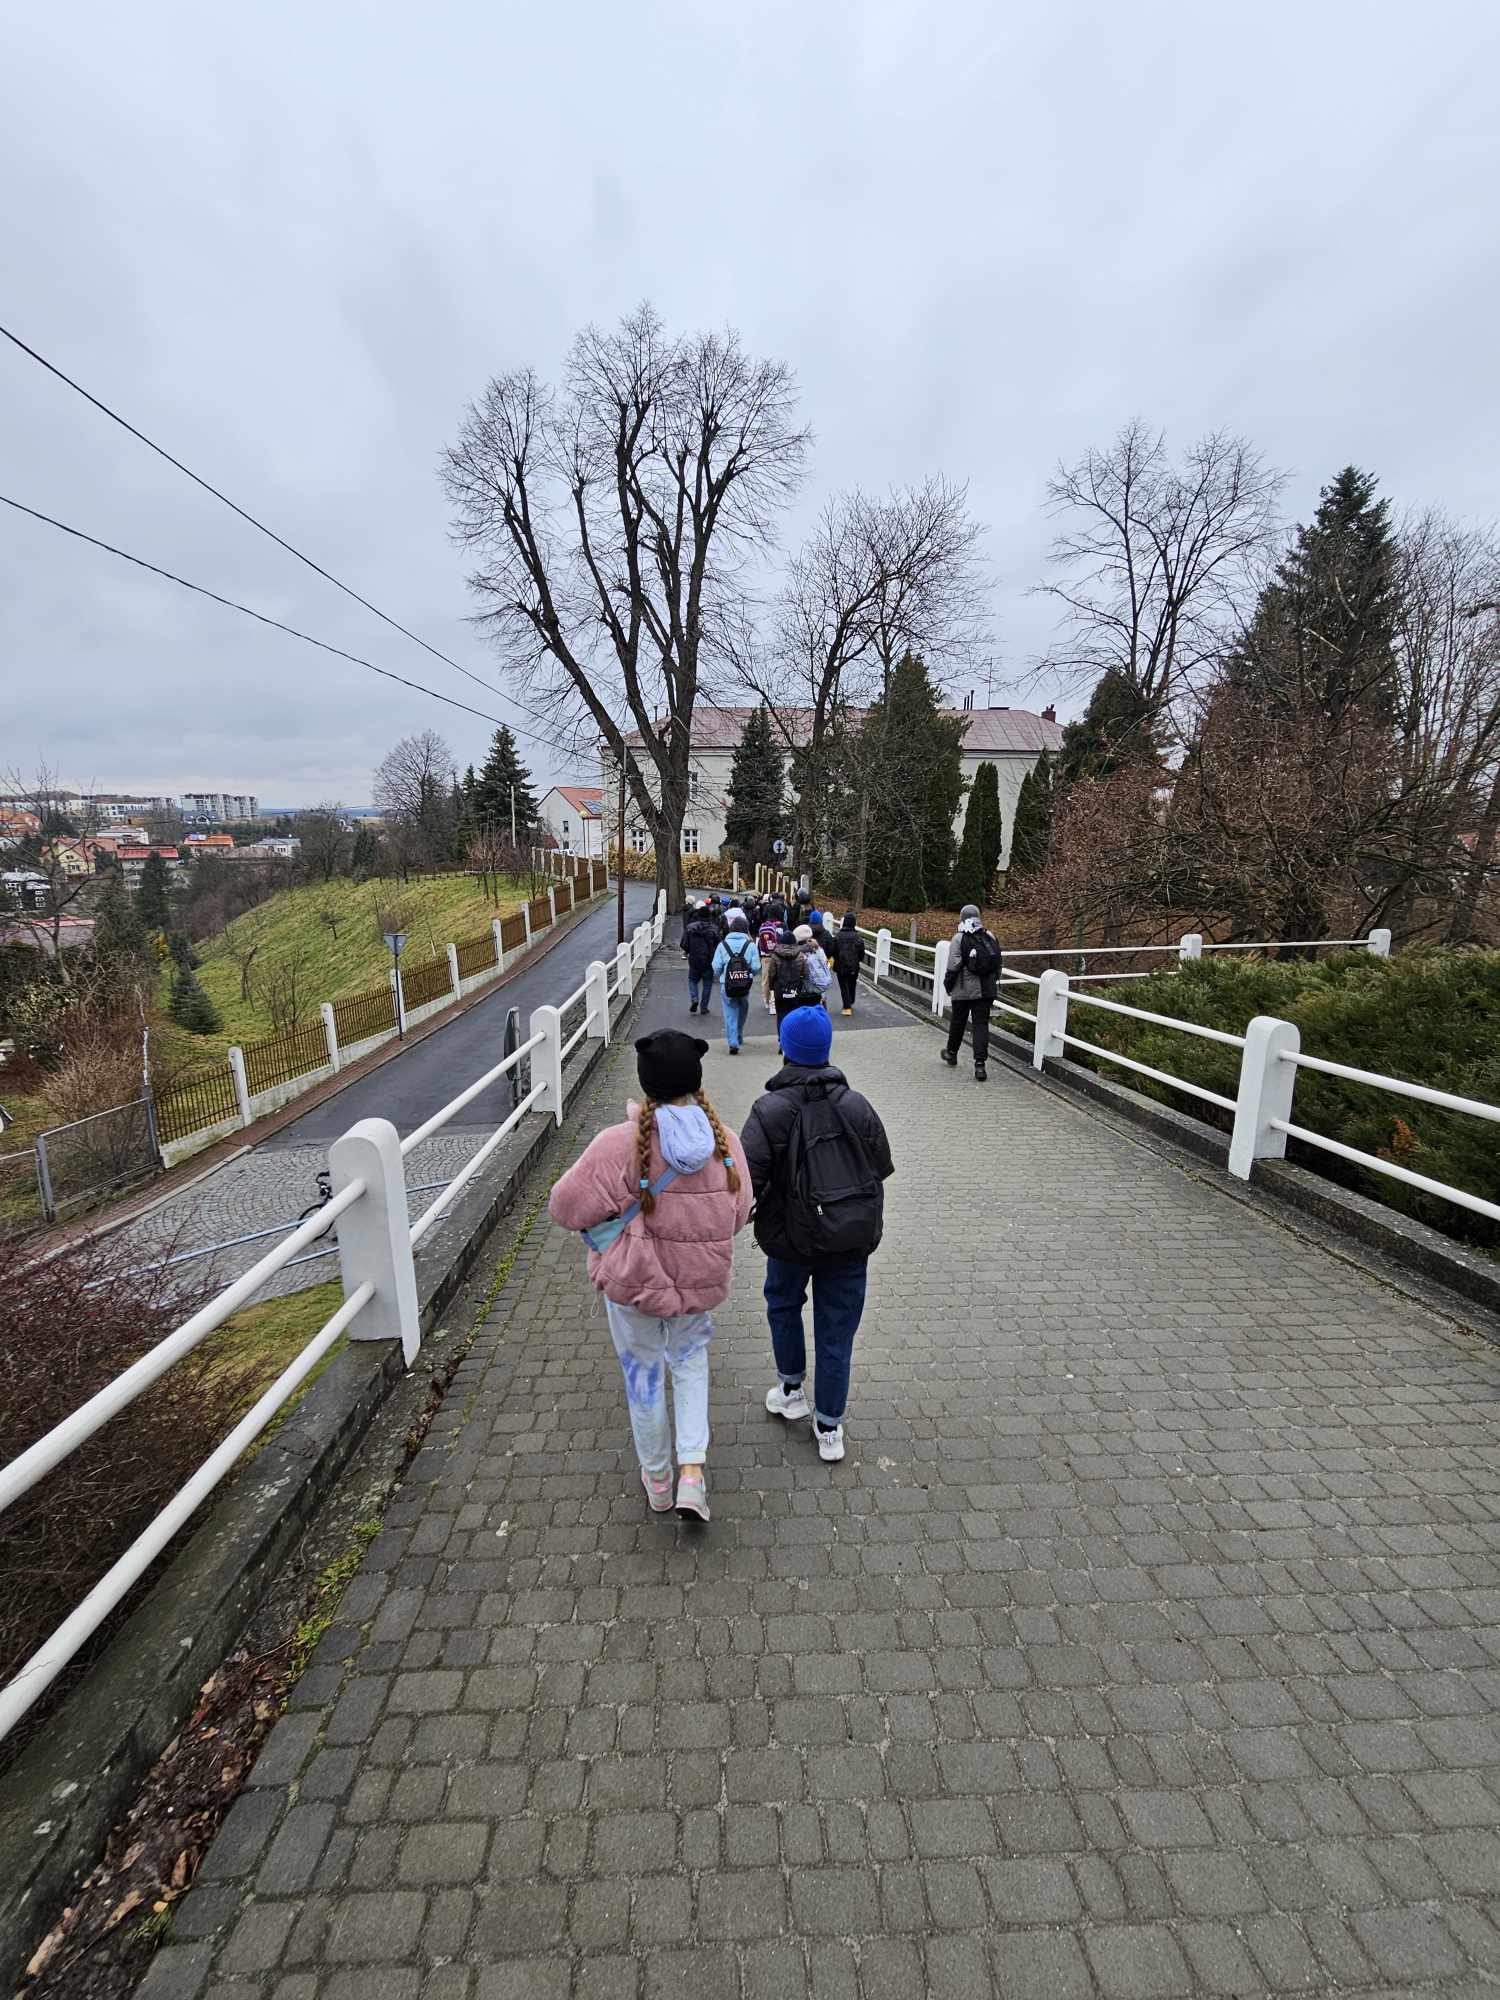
1427 1017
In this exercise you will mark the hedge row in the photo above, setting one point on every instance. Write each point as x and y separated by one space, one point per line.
1428 1017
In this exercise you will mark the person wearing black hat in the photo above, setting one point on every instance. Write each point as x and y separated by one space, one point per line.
818 1157
700 940
972 981
658 1201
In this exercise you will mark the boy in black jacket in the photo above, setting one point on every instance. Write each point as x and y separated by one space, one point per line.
810 1133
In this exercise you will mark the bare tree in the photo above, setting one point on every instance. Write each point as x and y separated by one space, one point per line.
330 916
326 841
413 791
613 520
875 579
1154 559
284 989
61 858
243 941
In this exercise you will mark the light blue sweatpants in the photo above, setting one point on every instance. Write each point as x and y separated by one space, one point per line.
648 1348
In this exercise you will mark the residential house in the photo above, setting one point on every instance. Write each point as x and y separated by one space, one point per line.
575 815
208 843
1012 739
72 857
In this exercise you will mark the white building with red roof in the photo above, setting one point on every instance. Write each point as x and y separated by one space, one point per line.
1012 739
575 814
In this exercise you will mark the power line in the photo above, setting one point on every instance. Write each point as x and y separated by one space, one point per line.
262 617
234 507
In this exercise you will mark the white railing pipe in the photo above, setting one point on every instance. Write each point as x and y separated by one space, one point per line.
1160 1020
39 1672
1051 1018
37 1460
374 1243
1264 1099
433 1214
1391 1168
456 1104
1474 1107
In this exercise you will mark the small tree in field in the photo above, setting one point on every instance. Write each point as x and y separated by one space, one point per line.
191 1007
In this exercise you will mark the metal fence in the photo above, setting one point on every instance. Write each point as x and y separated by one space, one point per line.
79 1162
281 1057
513 932
193 1102
428 982
475 954
362 1015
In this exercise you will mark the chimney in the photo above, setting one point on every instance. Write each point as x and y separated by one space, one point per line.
1049 713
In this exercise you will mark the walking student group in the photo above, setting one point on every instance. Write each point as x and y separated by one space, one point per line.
659 1198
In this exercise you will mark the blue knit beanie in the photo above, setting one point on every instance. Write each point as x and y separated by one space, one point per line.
806 1037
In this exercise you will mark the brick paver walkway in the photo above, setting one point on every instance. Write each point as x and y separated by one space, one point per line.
1147 1643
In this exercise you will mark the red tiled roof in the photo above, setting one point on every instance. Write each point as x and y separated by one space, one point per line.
582 798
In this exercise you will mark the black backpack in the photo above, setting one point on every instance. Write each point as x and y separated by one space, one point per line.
981 956
834 1203
738 978
789 978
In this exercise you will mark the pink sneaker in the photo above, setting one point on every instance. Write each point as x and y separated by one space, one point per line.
658 1487
692 1494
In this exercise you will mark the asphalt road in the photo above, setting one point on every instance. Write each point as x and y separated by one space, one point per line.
422 1079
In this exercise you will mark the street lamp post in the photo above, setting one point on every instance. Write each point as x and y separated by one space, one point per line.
396 941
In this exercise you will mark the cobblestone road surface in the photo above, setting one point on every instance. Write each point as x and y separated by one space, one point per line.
1147 1642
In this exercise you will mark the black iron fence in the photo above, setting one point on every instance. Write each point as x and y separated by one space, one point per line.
475 954
193 1102
427 982
362 1015
281 1057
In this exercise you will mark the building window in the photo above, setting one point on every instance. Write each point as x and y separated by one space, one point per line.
693 777
565 829
690 840
637 840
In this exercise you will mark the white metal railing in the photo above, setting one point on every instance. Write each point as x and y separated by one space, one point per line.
376 1241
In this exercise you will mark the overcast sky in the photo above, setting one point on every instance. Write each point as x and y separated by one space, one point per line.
290 241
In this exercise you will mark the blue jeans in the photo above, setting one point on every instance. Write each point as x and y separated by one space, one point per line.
700 987
735 1012
838 1291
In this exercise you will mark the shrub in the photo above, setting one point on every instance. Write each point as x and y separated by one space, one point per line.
191 1007
1427 1017
63 1335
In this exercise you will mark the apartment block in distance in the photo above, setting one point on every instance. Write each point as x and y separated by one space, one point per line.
224 808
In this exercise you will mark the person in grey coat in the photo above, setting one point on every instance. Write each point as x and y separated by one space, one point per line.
972 980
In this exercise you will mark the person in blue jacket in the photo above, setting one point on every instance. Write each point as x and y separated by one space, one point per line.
736 966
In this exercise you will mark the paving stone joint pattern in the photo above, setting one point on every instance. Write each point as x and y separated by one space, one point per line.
1146 1643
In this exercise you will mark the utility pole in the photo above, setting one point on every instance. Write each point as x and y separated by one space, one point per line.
620 871
512 815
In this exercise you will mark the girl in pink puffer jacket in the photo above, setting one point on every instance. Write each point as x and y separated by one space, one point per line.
682 1184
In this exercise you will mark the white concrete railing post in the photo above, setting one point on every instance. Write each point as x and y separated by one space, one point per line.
547 1061
658 927
395 979
330 1034
453 979
882 955
642 944
1380 944
1266 1088
1190 946
1051 1018
499 945
939 972
241 1086
551 904
624 971
596 1001
526 921
375 1234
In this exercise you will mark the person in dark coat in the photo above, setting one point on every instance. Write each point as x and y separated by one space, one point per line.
792 974
700 940
838 1283
972 981
848 955
821 933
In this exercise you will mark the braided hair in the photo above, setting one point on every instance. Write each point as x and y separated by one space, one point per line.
645 1131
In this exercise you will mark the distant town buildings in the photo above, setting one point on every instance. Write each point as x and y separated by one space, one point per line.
222 808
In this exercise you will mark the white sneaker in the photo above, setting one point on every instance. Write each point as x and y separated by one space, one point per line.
831 1444
788 1403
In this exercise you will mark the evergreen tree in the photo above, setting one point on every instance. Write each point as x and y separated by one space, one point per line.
364 856
191 1007
755 814
910 775
1118 727
983 837
119 940
182 954
503 772
153 899
1031 831
1323 631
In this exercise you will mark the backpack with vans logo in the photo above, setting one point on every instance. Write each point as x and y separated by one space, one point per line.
739 980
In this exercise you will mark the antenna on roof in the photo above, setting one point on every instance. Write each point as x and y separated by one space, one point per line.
969 699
